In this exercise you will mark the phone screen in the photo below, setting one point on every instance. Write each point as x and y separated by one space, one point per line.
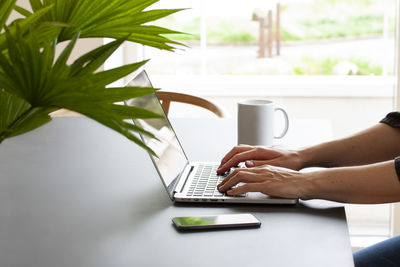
216 221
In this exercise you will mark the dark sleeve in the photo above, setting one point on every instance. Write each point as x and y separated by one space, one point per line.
397 166
393 119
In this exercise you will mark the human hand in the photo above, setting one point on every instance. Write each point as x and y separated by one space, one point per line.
255 156
269 180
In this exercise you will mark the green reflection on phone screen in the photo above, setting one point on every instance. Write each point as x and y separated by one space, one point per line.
196 220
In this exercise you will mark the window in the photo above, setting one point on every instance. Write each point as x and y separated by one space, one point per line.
335 57
318 38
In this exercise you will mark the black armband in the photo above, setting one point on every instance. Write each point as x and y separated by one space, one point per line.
397 166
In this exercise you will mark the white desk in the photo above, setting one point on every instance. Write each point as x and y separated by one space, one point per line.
74 193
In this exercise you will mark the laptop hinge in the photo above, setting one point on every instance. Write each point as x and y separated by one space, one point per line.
180 185
187 177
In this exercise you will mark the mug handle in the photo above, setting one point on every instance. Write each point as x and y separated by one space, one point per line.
286 123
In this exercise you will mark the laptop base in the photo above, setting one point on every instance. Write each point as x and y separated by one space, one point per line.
253 198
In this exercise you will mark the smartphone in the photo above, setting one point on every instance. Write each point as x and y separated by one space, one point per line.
216 221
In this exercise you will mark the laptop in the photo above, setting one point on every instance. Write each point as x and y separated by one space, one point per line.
184 181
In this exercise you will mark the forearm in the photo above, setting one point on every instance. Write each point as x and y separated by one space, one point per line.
375 183
378 143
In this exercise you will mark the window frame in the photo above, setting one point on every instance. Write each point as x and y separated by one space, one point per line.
395 222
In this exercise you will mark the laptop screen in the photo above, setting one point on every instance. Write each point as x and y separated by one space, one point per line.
171 159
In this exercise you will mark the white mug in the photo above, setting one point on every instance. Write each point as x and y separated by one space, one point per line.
256 122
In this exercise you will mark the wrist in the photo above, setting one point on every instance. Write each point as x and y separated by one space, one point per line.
309 186
304 157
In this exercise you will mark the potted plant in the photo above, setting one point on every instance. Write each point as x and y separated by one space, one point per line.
35 82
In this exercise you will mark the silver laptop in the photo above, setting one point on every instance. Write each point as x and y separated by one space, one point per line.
184 181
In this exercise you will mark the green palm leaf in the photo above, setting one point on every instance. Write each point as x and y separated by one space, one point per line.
104 18
6 6
25 24
11 107
18 116
41 86
34 82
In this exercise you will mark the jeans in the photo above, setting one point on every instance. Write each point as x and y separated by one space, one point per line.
384 254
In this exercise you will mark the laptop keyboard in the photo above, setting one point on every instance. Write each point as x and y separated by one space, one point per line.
205 181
